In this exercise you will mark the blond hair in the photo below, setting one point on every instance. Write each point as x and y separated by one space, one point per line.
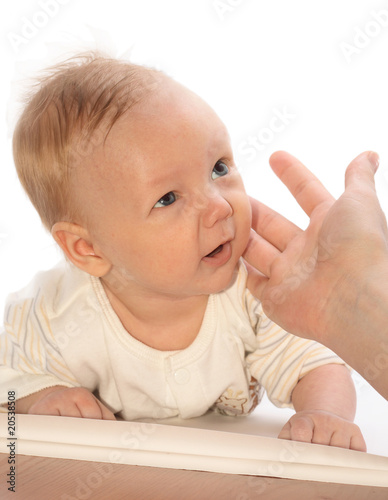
73 110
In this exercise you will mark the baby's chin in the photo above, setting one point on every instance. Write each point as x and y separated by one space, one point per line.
224 283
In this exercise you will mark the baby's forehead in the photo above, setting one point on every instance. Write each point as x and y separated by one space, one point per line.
170 109
169 117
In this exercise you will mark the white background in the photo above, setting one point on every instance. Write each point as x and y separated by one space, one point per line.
322 63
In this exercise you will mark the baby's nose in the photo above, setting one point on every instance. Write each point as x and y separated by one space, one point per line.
215 208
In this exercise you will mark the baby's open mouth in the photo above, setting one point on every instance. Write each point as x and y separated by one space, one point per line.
220 255
215 251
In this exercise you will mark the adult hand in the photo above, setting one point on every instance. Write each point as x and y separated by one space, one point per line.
327 282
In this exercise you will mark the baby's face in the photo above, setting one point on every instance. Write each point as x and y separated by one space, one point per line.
167 206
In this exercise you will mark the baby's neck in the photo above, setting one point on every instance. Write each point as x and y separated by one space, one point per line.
162 322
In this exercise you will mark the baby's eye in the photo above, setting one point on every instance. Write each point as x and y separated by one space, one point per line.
219 170
167 199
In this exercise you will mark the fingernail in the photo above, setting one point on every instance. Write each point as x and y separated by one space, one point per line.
374 160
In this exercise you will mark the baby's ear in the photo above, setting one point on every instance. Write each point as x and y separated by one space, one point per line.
79 249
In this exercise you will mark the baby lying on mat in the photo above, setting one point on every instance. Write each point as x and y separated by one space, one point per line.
150 316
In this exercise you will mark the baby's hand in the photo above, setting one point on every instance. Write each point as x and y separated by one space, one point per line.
70 402
321 427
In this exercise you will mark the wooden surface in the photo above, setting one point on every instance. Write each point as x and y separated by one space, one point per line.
58 479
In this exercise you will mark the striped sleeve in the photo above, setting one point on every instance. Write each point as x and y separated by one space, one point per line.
30 359
279 359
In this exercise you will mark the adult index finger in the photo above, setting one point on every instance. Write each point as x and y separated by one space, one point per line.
272 226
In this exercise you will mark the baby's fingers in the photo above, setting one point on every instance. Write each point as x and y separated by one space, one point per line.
71 402
324 429
298 429
357 442
352 440
89 406
105 413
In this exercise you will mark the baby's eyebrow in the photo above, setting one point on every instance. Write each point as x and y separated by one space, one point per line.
221 139
160 178
157 186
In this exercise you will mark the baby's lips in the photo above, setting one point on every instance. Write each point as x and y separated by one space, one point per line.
215 251
220 255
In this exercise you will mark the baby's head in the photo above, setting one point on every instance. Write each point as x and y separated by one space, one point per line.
72 110
134 176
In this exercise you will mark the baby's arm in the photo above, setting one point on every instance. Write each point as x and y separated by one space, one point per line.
64 401
325 404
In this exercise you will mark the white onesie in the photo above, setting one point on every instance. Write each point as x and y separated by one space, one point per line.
62 330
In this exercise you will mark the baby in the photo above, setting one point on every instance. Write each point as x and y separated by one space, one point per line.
150 315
